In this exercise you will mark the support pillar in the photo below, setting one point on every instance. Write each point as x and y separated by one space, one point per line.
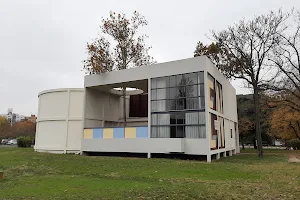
218 156
230 152
208 157
234 151
224 154
148 155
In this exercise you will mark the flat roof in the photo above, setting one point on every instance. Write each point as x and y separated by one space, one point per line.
145 72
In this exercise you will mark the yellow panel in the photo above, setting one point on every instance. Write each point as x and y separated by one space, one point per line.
210 84
213 144
88 133
108 133
130 132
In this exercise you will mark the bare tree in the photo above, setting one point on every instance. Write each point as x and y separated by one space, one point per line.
247 45
286 57
129 49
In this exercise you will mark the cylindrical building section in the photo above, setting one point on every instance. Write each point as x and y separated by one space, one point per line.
59 122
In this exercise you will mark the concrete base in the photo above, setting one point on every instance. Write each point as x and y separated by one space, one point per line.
218 156
208 157
83 153
230 153
148 155
224 154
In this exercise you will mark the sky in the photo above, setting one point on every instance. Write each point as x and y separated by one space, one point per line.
43 43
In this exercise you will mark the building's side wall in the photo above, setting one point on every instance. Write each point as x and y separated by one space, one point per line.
229 112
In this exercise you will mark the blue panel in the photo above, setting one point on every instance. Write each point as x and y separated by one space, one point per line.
98 133
118 132
141 132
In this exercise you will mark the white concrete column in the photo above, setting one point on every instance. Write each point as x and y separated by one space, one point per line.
218 156
234 151
224 154
208 157
67 122
230 152
149 113
237 139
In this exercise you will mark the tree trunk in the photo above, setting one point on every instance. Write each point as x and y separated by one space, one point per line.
124 104
257 123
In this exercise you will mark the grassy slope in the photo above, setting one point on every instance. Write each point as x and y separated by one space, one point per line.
30 175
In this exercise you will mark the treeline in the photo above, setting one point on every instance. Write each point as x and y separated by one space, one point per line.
277 122
264 52
18 129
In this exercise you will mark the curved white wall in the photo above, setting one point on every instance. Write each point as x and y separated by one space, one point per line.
59 121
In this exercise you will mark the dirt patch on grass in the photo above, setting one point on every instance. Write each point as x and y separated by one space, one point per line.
294 158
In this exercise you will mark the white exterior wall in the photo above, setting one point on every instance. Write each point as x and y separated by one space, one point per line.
59 122
230 109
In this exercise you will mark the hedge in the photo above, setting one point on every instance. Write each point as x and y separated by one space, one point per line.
295 143
25 142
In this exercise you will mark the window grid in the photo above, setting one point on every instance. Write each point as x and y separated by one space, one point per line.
177 106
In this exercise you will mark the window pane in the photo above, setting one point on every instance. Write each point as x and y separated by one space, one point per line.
180 104
163 119
153 83
173 131
180 132
191 91
154 119
202 103
191 78
153 106
172 81
180 116
202 118
181 92
201 90
192 103
154 132
192 118
163 131
179 80
202 132
162 82
201 77
153 94
161 93
192 132
172 104
173 118
161 105
173 93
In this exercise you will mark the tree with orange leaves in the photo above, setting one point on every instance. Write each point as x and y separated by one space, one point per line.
25 128
5 128
285 123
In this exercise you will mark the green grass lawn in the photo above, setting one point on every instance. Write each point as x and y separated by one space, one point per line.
31 175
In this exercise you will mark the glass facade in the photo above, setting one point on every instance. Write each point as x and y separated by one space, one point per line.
177 106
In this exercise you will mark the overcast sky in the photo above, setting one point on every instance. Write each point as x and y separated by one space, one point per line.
42 43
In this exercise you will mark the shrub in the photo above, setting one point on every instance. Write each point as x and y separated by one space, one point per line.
295 143
24 141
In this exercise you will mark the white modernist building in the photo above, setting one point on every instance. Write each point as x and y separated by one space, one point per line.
179 107
59 123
